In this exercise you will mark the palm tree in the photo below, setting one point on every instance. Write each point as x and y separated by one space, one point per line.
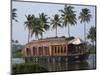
85 17
55 22
37 28
43 22
68 17
92 35
29 24
14 14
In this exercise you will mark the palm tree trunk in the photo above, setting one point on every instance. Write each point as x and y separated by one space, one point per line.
41 36
29 36
68 30
37 37
85 36
56 31
85 32
94 45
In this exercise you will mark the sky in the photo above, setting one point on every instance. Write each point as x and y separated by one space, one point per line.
24 8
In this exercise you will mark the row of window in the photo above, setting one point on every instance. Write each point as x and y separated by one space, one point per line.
39 52
59 49
45 50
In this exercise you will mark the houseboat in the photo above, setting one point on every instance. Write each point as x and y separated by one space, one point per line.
54 49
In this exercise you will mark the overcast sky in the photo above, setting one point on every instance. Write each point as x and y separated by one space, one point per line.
24 8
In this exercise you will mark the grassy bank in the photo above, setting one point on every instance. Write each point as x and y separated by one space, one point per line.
28 68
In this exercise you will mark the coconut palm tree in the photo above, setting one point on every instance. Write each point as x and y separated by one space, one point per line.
14 14
29 24
85 16
43 22
92 35
68 17
37 28
55 22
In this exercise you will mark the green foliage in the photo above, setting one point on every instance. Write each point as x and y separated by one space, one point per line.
14 14
92 37
17 54
43 21
92 34
68 17
91 49
36 25
29 23
28 68
55 22
85 15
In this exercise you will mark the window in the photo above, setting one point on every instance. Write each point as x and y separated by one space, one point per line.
55 49
46 50
40 50
34 51
58 49
28 51
64 49
61 49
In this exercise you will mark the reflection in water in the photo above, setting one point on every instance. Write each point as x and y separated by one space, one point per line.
78 65
69 66
90 63
55 66
66 66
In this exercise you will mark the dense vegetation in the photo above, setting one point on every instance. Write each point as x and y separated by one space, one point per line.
16 49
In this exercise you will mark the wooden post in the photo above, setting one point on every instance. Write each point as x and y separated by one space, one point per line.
66 49
53 50
31 49
43 51
56 50
60 50
37 51
50 50
25 52
53 53
63 49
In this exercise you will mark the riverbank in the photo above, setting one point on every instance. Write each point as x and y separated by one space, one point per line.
28 68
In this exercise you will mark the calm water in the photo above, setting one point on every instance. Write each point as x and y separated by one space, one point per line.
90 63
18 60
